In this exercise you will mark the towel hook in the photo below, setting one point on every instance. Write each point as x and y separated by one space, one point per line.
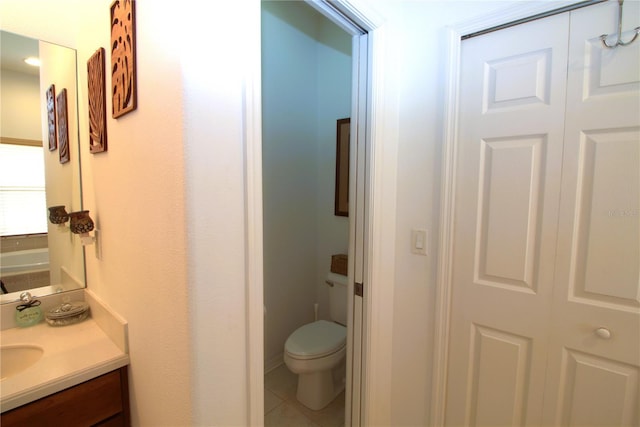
619 42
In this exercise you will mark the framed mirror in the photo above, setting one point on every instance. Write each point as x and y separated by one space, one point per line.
37 255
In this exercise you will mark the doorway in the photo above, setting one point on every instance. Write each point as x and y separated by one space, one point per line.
307 89
535 302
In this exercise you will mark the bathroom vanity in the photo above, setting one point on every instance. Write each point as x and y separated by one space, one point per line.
67 375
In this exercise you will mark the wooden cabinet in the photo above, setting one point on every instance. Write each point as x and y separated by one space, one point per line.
102 401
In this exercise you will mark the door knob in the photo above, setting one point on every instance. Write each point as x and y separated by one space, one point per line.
603 333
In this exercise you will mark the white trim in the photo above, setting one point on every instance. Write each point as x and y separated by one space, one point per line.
447 201
352 16
357 218
359 12
330 11
253 222
445 248
381 249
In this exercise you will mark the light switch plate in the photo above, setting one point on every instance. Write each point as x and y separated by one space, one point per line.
419 242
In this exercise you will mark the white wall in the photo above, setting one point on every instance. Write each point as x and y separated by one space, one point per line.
216 80
306 87
334 102
289 170
136 194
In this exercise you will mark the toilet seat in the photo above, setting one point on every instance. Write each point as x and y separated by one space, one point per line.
316 340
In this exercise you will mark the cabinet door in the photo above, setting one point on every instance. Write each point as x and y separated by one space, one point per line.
86 404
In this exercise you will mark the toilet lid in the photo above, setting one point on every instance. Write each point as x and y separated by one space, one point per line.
316 339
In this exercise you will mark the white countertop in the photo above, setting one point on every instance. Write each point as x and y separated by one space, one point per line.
72 354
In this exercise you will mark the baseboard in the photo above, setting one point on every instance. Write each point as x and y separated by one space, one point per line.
273 362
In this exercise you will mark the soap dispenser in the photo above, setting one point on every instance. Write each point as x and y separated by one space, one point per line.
28 313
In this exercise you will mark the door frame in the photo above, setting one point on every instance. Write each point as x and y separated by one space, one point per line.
379 221
509 16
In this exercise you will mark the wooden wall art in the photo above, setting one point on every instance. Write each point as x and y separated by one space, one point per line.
97 103
63 127
123 57
51 117
341 207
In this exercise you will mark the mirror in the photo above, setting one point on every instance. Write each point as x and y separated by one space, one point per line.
37 255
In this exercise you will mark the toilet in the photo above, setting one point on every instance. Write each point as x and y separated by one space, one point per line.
316 351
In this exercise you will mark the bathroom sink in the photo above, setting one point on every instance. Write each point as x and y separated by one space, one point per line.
17 358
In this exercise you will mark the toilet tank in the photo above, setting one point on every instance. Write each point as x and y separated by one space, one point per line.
338 298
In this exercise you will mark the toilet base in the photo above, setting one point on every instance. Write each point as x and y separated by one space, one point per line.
317 389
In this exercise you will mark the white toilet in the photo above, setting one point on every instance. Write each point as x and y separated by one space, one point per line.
316 351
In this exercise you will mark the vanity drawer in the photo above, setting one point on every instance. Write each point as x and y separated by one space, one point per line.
101 401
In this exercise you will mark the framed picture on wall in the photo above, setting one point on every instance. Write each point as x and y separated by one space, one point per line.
343 129
97 103
123 57
51 117
63 128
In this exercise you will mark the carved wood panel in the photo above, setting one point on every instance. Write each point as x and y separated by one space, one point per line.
97 103
63 127
123 57
51 117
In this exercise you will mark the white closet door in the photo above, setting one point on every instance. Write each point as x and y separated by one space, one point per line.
594 349
511 128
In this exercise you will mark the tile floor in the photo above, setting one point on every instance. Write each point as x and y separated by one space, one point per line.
282 409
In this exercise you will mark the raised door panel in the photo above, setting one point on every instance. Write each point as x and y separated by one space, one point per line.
604 267
596 391
509 208
499 378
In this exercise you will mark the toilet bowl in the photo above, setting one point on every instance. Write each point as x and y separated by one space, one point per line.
316 352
